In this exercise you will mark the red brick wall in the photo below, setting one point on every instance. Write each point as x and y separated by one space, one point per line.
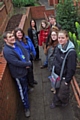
3 18
8 93
25 21
38 12
4 14
8 4
52 2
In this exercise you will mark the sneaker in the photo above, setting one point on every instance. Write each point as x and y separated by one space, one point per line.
30 90
53 90
43 66
52 106
35 82
27 113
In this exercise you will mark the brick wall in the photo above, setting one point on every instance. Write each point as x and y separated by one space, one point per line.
8 93
38 12
9 97
3 18
5 10
25 21
52 2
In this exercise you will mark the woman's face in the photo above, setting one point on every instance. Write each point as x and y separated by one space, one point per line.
32 23
43 24
62 39
19 34
54 36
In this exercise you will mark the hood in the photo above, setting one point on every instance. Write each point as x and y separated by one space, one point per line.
68 46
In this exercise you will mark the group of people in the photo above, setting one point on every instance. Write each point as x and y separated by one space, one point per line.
20 51
61 60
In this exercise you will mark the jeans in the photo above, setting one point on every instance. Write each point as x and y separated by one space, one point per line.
46 61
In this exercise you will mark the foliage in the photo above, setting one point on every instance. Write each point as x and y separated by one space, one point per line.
75 38
1 3
67 14
20 3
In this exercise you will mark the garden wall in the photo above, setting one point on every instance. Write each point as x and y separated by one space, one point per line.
5 10
9 97
38 12
53 2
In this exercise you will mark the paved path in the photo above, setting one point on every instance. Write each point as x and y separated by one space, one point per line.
45 3
41 98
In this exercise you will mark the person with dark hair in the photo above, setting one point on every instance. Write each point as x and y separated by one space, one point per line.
18 62
33 34
26 42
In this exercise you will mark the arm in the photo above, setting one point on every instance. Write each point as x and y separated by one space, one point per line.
13 59
71 66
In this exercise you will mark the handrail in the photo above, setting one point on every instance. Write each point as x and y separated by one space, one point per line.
76 90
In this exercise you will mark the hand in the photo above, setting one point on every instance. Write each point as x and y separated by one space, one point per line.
27 67
66 83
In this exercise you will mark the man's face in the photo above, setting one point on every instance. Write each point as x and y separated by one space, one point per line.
52 21
10 40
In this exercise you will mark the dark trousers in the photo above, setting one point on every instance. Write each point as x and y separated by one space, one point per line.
22 88
37 52
62 94
30 75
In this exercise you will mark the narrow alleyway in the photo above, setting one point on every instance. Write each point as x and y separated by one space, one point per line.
41 98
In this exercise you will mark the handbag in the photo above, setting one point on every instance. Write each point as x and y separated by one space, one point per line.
54 78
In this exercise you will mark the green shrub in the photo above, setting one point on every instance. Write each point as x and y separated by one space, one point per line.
75 38
67 14
21 3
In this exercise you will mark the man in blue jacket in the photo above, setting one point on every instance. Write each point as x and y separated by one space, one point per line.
18 61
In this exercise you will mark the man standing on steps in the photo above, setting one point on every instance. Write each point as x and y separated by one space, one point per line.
18 61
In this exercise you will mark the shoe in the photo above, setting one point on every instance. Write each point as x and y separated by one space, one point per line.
37 59
53 90
52 106
35 82
31 85
27 113
43 66
64 104
30 90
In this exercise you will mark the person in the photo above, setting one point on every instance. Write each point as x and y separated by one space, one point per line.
53 42
53 23
33 35
61 96
44 31
18 62
26 42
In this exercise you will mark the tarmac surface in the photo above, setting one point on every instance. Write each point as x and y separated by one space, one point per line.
41 98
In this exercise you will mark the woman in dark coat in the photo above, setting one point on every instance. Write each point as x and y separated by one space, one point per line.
61 97
33 34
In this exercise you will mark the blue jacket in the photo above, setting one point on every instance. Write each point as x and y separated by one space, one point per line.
29 47
16 65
